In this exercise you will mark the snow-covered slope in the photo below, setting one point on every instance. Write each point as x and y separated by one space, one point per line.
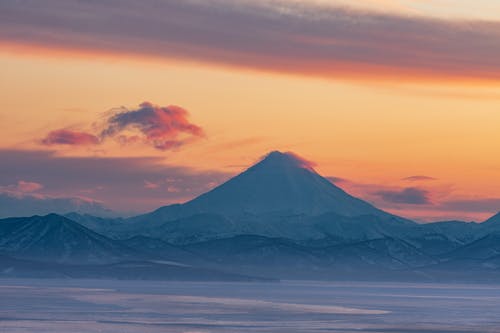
492 224
280 183
280 189
284 258
56 238
483 248
494 220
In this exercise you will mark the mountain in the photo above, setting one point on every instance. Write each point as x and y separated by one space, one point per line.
483 248
54 246
284 258
458 231
492 224
495 219
276 197
281 183
111 227
57 239
14 204
131 270
278 219
157 249
439 238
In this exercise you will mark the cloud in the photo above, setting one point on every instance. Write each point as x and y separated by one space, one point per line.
30 204
21 187
435 202
68 137
336 180
418 178
151 185
118 183
161 127
409 195
303 162
164 128
25 199
276 35
27 187
478 205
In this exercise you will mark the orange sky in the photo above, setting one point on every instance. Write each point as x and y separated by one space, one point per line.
371 130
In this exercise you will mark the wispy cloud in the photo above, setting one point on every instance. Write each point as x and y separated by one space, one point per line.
336 180
20 188
479 205
409 195
390 195
38 204
69 137
285 36
123 184
418 178
431 200
26 198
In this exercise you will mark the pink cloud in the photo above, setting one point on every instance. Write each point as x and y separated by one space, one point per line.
26 187
151 185
163 127
69 137
21 188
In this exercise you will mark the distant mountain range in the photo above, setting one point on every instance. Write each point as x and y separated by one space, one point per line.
277 220
27 204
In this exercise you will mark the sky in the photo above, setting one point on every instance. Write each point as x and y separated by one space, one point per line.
132 105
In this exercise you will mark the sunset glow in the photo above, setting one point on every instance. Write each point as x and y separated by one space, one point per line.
399 106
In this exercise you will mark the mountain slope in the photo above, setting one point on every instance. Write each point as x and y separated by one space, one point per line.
57 239
110 227
286 259
275 197
281 183
157 249
131 270
492 224
494 220
483 248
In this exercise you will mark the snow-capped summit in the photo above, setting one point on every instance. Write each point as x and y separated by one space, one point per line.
281 183
279 160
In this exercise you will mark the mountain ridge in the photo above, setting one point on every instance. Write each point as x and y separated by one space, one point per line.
55 238
278 219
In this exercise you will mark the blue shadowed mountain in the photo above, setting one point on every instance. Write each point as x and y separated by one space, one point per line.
280 196
277 219
493 222
281 183
57 239
56 247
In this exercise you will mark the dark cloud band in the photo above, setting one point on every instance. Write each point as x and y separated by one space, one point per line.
278 35
409 195
120 183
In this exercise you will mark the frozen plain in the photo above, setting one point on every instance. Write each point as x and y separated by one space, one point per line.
59 306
